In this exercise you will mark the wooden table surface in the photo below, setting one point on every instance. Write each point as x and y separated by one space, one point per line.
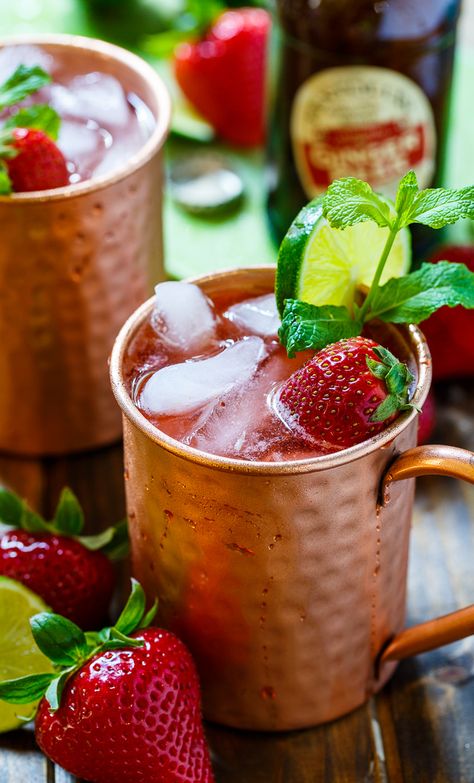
420 729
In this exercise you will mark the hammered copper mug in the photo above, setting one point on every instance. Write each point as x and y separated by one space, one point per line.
287 580
74 263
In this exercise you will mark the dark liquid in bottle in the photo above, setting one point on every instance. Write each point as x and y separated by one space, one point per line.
363 90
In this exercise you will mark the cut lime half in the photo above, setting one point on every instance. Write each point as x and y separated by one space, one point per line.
19 654
323 265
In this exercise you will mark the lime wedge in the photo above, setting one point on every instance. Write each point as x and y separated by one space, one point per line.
19 654
323 265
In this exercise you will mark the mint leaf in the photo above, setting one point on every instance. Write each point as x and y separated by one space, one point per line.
307 326
11 508
23 82
61 640
438 207
38 116
349 201
406 194
69 517
134 610
416 296
24 690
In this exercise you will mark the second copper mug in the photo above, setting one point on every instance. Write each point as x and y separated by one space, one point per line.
287 580
74 263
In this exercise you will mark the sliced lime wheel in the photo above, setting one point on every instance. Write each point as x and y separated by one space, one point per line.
323 265
19 654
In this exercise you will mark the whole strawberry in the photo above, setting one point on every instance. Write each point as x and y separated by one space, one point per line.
449 331
223 74
126 707
72 574
36 163
346 393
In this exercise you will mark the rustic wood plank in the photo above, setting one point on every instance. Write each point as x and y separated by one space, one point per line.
342 752
427 711
20 761
24 476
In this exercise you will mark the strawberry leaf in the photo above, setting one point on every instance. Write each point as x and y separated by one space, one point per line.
11 508
69 517
414 297
349 201
113 541
55 689
397 378
150 615
23 82
39 116
24 690
307 326
61 640
134 610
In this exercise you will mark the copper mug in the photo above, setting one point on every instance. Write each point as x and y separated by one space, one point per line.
287 580
74 263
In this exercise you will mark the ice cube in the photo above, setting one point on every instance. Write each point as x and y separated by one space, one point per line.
188 386
13 56
183 316
92 96
256 316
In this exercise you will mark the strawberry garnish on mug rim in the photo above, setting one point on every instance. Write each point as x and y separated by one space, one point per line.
411 298
30 160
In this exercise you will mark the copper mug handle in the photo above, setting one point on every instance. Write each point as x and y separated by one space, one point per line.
422 461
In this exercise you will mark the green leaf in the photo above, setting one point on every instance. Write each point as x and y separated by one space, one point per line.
24 690
69 517
113 541
414 297
438 207
11 508
307 326
33 522
56 687
23 82
5 181
61 640
163 44
150 615
406 194
38 116
133 612
349 201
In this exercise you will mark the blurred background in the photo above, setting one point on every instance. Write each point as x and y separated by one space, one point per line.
238 211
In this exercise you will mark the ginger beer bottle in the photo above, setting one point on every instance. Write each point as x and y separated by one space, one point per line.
362 90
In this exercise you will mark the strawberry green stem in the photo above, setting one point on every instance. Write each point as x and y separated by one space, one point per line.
378 272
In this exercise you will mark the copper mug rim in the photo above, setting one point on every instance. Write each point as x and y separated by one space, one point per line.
146 151
416 341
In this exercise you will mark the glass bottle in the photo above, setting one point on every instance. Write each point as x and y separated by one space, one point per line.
363 90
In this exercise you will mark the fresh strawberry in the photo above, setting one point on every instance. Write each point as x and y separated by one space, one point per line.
68 571
346 393
126 707
427 419
449 331
37 163
223 74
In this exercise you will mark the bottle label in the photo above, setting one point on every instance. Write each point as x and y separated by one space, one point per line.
362 121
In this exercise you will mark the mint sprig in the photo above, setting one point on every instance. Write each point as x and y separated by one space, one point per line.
25 81
408 299
68 520
69 648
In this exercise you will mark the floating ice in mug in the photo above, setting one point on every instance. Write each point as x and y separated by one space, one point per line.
258 315
190 385
183 316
